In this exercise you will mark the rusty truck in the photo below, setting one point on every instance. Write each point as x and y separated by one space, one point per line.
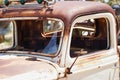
66 40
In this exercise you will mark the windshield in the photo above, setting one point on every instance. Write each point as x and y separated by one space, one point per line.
42 36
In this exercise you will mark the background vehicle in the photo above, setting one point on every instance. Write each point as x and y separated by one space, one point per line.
58 41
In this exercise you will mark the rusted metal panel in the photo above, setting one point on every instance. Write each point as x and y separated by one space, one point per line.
65 10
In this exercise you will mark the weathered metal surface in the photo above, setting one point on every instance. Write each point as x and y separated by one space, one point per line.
64 10
11 66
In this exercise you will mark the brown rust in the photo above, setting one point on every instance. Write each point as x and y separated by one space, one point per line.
65 10
93 57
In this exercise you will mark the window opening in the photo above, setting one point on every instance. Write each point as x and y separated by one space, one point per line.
89 36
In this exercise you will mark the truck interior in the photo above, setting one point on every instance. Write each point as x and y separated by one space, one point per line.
89 36
42 36
32 37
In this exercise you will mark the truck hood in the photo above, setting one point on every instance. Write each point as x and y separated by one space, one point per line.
24 68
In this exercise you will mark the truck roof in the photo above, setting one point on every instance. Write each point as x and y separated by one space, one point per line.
65 10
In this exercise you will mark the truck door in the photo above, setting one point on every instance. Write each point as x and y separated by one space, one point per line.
93 42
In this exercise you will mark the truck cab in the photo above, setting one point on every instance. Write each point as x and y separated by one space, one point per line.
68 40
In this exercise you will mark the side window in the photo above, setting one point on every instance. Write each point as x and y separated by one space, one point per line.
6 34
89 36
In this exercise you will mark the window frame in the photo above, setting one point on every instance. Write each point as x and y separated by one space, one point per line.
33 18
14 40
111 22
89 38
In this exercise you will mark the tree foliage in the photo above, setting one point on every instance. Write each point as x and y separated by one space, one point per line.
110 2
1 2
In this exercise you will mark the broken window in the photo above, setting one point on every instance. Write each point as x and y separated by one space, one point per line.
89 36
43 36
32 35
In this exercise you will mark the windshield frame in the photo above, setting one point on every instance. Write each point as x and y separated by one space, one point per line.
15 43
14 39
